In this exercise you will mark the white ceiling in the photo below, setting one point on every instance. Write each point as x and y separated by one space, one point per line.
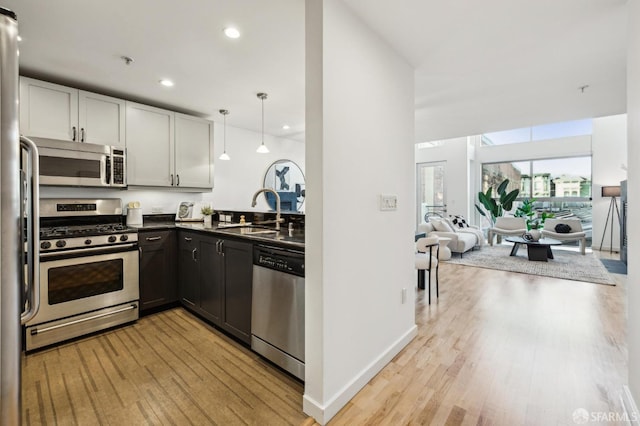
480 66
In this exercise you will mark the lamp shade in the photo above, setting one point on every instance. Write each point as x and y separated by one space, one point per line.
611 191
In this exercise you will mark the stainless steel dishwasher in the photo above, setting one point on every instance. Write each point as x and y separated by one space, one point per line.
277 307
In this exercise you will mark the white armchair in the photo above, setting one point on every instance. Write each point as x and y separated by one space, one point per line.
510 226
576 234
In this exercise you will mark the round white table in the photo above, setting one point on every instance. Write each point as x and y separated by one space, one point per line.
445 251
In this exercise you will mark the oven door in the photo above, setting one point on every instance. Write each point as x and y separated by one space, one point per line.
73 167
84 280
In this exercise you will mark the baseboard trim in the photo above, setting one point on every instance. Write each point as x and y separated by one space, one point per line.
323 413
630 407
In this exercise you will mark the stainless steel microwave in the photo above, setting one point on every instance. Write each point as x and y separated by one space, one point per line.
65 163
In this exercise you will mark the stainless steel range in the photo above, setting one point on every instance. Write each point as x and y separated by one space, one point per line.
88 270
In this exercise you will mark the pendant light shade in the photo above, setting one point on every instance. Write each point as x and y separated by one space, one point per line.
262 149
224 155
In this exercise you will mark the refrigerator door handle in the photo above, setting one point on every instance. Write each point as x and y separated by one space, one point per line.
33 231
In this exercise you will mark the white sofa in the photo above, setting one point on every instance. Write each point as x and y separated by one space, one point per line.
462 239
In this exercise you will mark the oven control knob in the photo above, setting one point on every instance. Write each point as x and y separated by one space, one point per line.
112 239
87 242
124 237
45 245
61 243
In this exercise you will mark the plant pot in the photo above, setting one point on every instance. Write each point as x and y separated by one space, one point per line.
207 221
536 234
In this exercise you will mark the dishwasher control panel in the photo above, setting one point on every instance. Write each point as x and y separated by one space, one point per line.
287 261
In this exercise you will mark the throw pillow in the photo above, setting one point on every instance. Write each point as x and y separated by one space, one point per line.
459 221
562 228
441 225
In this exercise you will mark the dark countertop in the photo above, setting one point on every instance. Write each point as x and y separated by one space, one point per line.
293 239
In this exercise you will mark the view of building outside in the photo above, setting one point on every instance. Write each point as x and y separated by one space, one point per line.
561 186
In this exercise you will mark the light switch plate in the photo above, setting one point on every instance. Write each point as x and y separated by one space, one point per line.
388 202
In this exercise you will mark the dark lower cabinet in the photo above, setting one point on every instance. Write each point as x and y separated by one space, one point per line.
157 268
215 279
237 262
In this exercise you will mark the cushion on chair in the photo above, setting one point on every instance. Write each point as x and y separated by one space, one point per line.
422 261
562 228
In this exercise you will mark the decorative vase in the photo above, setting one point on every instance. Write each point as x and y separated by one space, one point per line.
207 221
536 234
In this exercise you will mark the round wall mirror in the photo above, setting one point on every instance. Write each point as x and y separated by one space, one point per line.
286 178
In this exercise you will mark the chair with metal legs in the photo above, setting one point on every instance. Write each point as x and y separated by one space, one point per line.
428 250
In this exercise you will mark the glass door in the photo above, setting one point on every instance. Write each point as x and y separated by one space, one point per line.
431 191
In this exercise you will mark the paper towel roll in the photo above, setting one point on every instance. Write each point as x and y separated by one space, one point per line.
134 216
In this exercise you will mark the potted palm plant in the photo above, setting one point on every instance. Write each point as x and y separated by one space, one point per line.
493 208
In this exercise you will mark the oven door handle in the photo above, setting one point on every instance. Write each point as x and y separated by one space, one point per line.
36 330
33 230
106 250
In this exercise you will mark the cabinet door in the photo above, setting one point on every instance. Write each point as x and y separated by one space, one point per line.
188 269
48 110
238 274
101 119
210 276
157 269
150 147
194 152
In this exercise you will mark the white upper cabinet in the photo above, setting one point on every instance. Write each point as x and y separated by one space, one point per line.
150 146
48 110
58 112
193 152
101 119
168 149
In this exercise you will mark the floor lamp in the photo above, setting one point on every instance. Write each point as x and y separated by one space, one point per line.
613 192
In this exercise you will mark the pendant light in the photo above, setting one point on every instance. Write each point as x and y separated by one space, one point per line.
224 155
262 149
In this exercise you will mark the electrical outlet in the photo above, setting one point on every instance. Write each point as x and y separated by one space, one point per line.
388 202
156 209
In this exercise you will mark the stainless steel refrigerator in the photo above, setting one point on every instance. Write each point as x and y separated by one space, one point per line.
18 225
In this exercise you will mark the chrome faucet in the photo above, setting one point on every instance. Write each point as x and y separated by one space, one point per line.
253 204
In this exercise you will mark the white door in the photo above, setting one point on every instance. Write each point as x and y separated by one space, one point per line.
194 152
48 110
101 119
431 191
150 145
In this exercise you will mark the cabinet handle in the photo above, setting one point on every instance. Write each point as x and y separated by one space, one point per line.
171 179
73 133
194 253
82 134
154 238
140 252
187 239
177 180
221 247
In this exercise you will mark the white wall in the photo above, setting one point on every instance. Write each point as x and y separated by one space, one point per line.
454 153
609 144
633 154
235 181
359 122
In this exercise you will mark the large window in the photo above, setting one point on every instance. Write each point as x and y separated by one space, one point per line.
561 186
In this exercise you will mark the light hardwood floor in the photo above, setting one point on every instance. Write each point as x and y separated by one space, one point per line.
496 348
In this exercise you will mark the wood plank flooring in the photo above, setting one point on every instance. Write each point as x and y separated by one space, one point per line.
496 348
169 368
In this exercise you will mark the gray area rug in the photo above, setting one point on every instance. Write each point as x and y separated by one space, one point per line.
566 264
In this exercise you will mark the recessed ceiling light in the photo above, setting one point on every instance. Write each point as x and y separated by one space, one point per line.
286 127
19 38
231 32
166 82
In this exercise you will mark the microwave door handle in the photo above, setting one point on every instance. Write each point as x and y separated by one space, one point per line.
107 169
33 230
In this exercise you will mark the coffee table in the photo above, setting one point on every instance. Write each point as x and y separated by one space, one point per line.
537 250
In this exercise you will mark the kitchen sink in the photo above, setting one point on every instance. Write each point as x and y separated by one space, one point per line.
251 230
